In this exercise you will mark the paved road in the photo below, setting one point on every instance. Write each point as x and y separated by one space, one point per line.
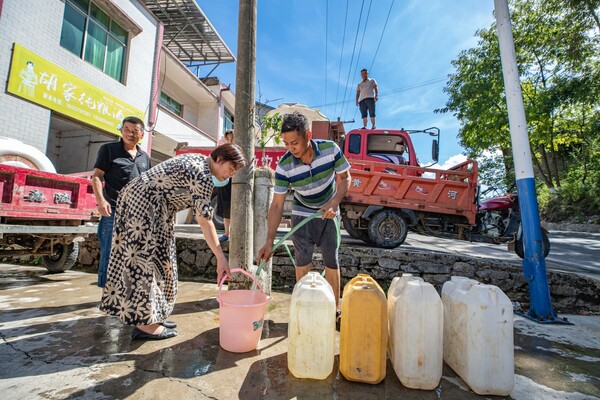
570 251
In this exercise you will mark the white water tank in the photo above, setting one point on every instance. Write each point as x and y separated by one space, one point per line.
415 320
311 330
478 335
18 154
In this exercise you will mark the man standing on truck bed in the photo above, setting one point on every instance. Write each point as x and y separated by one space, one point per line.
318 172
117 163
367 92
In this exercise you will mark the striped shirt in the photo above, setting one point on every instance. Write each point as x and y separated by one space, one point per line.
314 184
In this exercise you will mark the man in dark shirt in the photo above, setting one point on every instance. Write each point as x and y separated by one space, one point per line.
117 164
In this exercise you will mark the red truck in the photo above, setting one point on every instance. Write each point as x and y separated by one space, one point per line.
391 193
45 214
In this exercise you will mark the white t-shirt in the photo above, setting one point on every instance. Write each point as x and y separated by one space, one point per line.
367 88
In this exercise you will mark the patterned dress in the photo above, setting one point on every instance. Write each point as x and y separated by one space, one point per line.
142 272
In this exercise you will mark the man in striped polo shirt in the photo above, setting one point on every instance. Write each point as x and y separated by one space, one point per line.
319 174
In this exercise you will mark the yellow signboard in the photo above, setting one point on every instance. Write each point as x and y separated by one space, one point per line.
38 80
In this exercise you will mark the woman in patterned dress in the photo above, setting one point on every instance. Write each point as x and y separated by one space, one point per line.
142 273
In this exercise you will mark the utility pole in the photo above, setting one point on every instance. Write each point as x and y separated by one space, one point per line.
534 264
242 191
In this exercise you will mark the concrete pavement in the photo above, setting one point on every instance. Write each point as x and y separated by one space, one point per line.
56 344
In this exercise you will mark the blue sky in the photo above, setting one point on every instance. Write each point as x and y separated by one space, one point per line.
300 45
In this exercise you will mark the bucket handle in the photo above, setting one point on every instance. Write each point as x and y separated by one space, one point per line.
243 271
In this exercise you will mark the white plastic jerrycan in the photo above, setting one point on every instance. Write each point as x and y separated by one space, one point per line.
311 330
416 316
478 335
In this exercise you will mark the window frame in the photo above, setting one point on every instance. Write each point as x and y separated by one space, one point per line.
111 33
228 116
168 106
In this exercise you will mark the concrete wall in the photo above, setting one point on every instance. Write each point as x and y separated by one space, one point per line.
570 293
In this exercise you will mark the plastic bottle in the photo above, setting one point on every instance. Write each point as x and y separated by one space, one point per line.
311 330
363 331
415 316
478 335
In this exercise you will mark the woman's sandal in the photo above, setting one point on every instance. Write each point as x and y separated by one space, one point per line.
166 333
169 324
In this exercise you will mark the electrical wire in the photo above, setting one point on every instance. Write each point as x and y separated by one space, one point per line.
326 40
392 91
378 45
382 33
362 40
341 54
353 51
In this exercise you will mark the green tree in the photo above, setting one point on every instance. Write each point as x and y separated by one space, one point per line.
556 44
270 130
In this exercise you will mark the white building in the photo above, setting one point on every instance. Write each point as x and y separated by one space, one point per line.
192 110
72 69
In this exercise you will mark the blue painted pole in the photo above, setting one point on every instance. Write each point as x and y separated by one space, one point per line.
534 264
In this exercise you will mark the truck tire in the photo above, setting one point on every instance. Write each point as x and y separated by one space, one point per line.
520 251
360 234
64 257
349 227
387 229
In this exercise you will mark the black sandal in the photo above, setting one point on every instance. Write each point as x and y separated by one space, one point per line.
169 324
166 333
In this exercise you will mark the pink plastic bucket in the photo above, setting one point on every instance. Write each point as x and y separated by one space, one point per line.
242 314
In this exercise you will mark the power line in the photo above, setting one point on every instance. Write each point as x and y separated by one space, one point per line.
362 40
378 45
382 33
326 40
341 54
392 91
353 50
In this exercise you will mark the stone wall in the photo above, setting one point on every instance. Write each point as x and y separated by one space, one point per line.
570 293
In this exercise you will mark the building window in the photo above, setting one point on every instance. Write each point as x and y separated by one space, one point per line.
227 120
170 104
91 34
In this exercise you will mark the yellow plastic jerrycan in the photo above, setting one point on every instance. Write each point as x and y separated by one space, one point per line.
363 331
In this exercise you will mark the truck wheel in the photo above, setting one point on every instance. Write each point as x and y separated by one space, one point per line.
349 227
360 234
388 229
64 257
520 251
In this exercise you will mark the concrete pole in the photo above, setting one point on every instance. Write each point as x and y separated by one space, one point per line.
534 265
264 183
241 244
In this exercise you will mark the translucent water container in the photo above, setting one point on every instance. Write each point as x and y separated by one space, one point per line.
478 335
415 320
363 331
311 330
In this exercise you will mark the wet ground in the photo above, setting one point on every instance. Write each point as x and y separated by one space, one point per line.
56 344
